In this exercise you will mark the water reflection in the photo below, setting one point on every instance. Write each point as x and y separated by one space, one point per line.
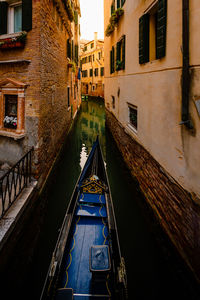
90 124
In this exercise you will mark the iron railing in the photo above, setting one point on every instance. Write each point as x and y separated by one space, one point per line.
14 181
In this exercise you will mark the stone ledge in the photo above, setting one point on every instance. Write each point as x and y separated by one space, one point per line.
15 61
8 222
15 136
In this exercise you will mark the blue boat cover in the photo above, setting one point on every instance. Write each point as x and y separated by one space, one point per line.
92 198
91 211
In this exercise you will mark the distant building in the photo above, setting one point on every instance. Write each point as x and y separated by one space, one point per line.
152 98
92 62
39 86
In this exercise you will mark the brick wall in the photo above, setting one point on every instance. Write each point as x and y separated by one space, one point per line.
177 210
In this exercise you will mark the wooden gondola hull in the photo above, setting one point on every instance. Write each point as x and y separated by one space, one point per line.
87 255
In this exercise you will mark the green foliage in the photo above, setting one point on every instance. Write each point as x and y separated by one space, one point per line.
114 19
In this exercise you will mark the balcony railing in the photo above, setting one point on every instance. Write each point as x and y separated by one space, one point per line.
14 181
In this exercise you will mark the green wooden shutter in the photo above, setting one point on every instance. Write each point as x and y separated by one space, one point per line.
113 59
161 29
72 49
144 39
118 3
123 52
76 53
122 2
112 9
69 49
3 17
26 15
76 17
110 61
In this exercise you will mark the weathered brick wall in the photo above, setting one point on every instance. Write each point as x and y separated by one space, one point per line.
29 74
175 208
54 116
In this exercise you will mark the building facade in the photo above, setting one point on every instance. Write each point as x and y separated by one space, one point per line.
92 62
39 86
153 108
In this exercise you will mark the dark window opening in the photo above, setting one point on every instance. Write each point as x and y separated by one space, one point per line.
10 118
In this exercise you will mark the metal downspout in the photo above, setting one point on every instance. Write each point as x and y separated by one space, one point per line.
185 120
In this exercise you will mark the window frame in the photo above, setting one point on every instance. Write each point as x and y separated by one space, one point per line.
130 124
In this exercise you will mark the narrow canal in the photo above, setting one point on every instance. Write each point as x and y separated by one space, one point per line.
154 270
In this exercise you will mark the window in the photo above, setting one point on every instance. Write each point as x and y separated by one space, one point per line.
69 49
112 60
152 33
84 73
93 87
85 48
10 116
99 54
120 60
92 45
102 71
113 102
68 96
15 16
12 108
90 58
96 72
91 73
132 116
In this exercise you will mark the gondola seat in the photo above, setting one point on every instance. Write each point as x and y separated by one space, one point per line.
100 264
64 294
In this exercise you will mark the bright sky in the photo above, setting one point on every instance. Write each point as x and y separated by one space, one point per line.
92 19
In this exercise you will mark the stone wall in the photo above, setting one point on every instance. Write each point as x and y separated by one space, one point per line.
176 209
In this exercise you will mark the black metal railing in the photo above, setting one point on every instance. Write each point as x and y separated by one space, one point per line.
14 181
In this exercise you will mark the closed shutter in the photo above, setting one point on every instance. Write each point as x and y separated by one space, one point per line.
118 3
122 2
68 48
111 62
76 53
144 39
123 52
113 59
26 15
118 51
72 49
3 17
76 17
161 29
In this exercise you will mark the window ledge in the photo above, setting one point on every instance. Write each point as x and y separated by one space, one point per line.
15 136
133 129
10 35
15 61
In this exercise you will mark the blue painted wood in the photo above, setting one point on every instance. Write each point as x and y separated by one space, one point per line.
91 211
92 198
77 275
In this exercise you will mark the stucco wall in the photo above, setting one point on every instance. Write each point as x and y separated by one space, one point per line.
155 88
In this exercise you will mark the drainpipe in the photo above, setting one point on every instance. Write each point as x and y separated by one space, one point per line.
185 70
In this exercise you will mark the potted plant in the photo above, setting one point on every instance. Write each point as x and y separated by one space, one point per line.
10 122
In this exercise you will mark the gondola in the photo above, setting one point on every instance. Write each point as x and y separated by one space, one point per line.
87 261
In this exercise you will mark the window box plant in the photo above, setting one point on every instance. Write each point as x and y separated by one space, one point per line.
10 122
13 42
114 20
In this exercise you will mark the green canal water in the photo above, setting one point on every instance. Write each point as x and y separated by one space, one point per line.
154 270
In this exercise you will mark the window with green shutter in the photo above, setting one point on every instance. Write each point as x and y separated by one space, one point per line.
120 55
69 51
76 17
3 17
26 15
161 29
144 39
91 73
112 60
102 71
152 33
76 53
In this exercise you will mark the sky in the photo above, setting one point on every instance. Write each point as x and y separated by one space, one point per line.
92 19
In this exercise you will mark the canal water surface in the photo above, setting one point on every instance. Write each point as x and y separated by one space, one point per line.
153 268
